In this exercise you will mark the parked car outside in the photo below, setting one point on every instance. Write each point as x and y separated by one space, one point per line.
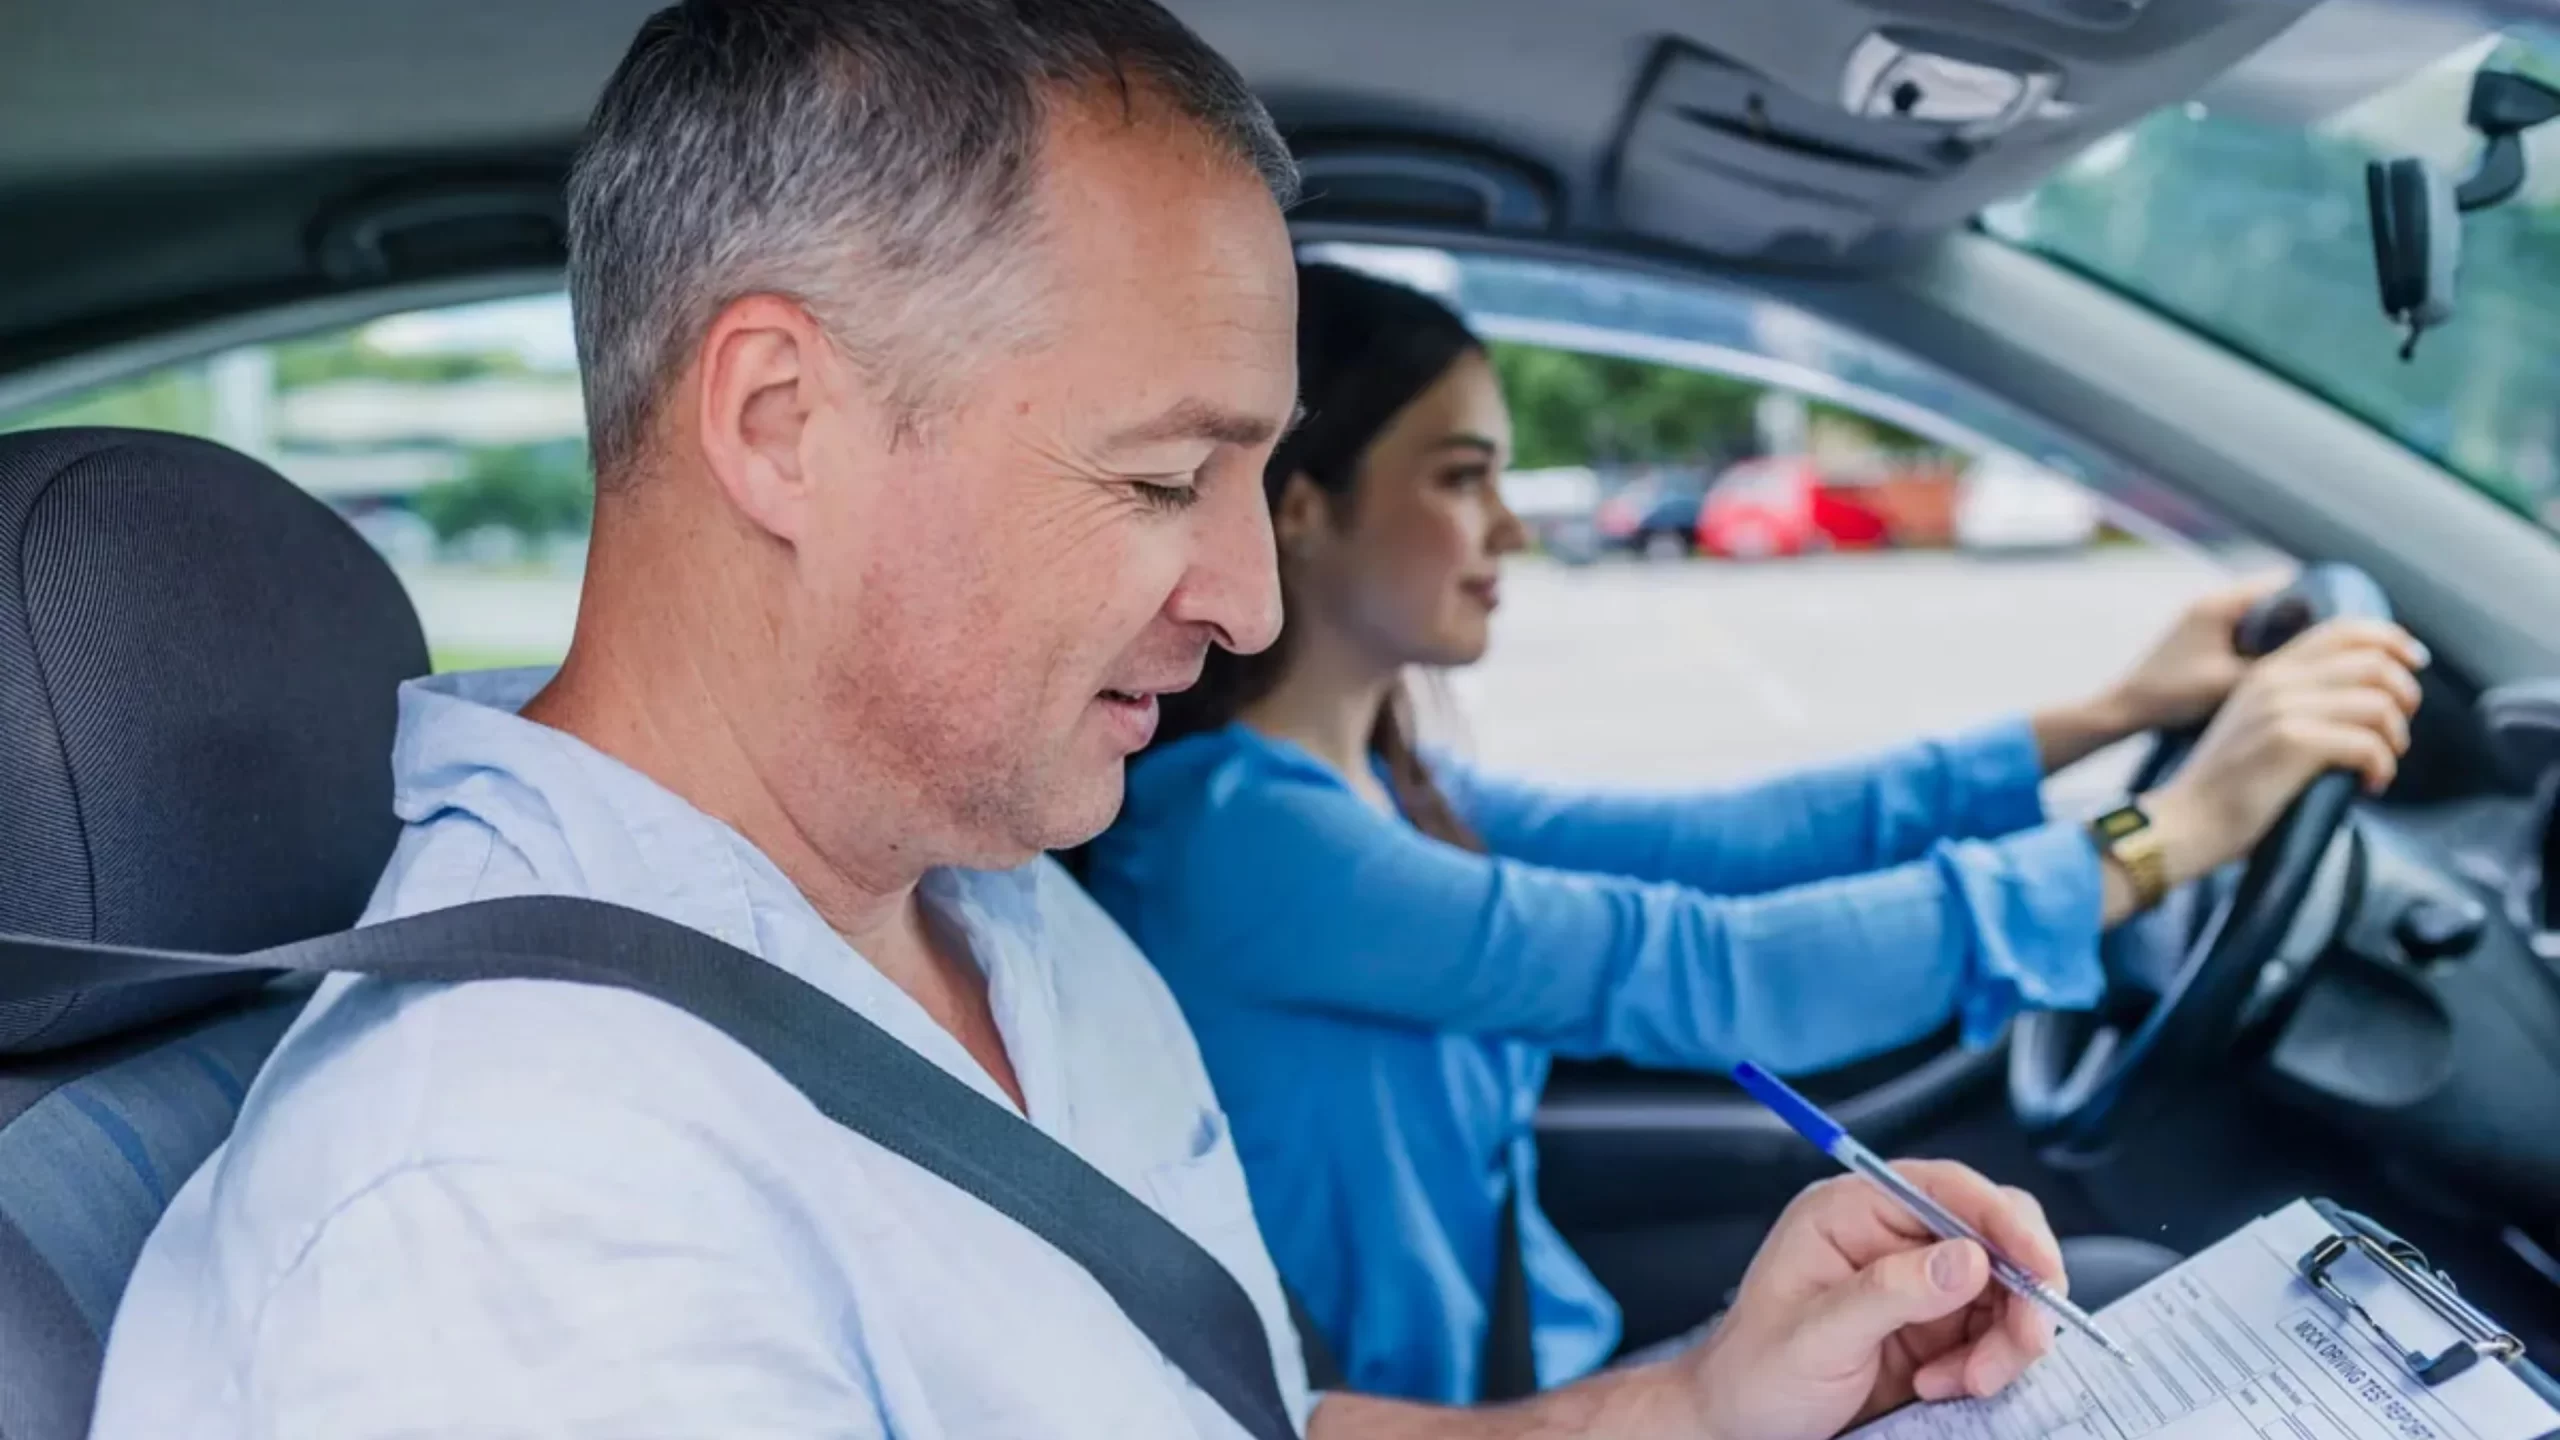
2010 504
1656 517
1761 509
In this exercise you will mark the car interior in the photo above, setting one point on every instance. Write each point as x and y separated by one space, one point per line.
197 660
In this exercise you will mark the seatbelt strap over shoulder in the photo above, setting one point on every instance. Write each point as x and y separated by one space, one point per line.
854 1072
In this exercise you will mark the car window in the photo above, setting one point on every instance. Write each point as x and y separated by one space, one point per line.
1679 448
1880 552
2256 233
453 439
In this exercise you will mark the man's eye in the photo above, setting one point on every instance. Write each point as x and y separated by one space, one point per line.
1165 497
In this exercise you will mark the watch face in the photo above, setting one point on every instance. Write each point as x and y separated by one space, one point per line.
2119 823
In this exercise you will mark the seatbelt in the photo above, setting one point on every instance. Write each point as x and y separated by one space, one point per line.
854 1072
1510 1369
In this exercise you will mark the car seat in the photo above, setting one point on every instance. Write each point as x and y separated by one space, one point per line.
199 667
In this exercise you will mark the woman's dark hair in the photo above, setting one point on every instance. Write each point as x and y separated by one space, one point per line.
1367 348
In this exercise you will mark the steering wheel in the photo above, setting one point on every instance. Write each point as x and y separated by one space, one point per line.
2185 982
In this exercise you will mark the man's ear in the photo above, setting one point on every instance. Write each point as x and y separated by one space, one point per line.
763 379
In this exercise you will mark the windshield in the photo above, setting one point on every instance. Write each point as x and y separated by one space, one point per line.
2256 234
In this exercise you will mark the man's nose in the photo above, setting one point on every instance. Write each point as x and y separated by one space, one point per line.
1233 585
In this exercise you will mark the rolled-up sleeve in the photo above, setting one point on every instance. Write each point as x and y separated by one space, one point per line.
1832 820
1301 895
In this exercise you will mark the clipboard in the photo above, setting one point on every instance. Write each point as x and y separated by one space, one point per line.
2475 1336
2310 1323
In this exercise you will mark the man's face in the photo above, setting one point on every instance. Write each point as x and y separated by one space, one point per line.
1067 542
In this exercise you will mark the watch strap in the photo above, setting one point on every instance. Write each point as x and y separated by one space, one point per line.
2125 836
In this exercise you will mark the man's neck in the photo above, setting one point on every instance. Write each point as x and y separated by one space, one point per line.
657 696
669 728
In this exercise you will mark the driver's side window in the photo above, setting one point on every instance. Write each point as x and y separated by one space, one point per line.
1767 543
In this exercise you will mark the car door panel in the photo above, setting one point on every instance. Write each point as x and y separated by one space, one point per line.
1665 1183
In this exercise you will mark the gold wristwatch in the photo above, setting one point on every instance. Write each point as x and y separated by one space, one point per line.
2124 835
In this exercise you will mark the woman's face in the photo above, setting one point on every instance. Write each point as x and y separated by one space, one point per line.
1407 566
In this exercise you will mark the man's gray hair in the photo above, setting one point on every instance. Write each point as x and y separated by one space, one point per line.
875 160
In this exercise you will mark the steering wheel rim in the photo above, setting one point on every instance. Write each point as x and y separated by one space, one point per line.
2072 1096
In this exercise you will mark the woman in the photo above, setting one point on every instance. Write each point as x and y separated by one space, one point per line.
1380 953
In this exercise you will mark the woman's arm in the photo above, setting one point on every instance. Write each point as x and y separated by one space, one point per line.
1294 893
2068 734
1843 819
1816 824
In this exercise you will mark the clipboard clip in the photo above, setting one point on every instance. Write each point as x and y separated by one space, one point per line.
2478 1336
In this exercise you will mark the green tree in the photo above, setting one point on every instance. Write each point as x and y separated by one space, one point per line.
1575 409
173 399
344 355
537 491
1569 408
179 398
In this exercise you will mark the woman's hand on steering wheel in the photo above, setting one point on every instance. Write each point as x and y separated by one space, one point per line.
2176 685
2273 778
2339 696
2193 668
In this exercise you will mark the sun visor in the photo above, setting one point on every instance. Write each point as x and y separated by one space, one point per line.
1719 158
2342 53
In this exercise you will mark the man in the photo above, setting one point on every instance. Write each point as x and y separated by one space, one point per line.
933 351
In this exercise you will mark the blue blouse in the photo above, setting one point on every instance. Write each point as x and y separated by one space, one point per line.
1378 1008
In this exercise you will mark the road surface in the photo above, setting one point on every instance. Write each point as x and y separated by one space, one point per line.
1682 673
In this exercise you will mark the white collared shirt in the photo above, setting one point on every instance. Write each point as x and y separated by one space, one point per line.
529 1208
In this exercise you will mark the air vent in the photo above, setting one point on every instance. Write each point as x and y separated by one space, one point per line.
1718 157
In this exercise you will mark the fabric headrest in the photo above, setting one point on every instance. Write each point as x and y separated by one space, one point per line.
199 667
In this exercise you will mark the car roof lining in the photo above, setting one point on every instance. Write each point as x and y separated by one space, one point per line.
281 80
183 161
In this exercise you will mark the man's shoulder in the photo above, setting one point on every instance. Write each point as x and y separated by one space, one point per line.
495 1085
380 1076
449 858
429 1059
424 1156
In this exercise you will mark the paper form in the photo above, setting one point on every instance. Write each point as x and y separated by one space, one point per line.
2235 1345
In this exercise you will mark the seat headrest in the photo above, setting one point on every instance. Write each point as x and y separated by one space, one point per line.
199 667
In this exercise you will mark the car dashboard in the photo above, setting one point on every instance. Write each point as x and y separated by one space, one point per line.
2430 1028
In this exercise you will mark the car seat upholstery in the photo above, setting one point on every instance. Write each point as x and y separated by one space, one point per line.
199 668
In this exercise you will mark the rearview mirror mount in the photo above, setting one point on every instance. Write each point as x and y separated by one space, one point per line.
2417 213
2417 244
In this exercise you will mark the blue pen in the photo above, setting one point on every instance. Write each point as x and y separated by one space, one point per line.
1807 1120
